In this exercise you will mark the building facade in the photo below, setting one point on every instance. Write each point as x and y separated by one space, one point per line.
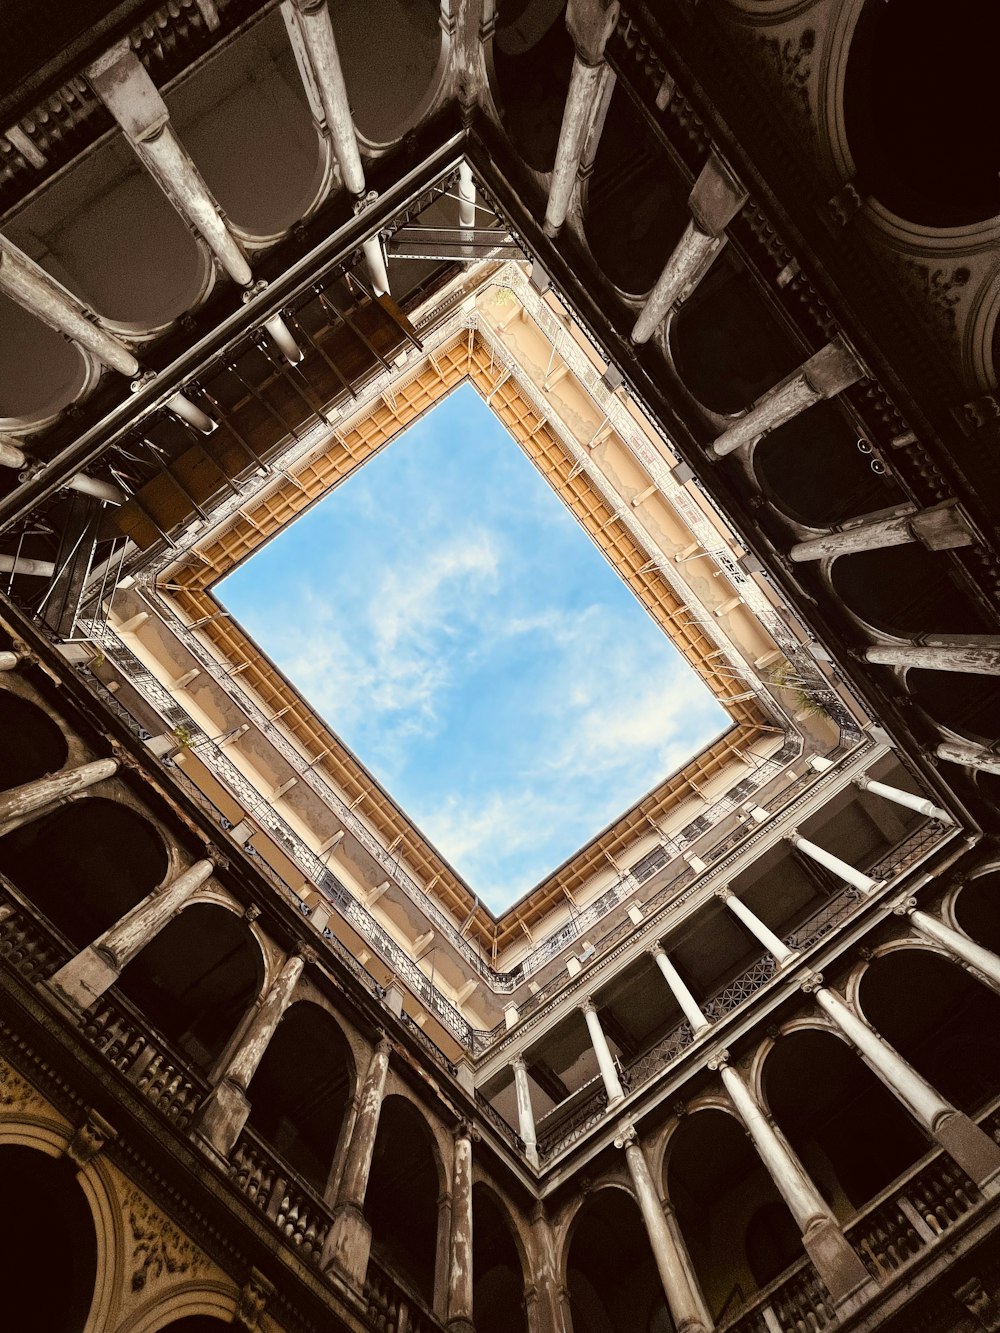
265 1058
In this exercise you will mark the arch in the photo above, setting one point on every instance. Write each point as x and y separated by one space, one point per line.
404 1185
718 1186
907 590
611 1275
391 52
726 345
820 443
532 57
196 979
247 106
498 1268
186 1308
46 1188
965 704
33 743
977 909
923 157
86 864
197 1323
301 1090
40 370
630 231
819 1091
949 1028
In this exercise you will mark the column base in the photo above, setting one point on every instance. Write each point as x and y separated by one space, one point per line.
460 1325
83 980
972 1149
221 1118
347 1246
838 1264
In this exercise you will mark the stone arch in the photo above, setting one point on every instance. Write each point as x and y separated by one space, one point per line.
906 590
717 1184
34 744
966 705
41 372
404 1186
531 56
301 1091
819 1090
608 1267
631 233
190 1307
86 864
499 1265
949 1029
976 909
922 157
197 979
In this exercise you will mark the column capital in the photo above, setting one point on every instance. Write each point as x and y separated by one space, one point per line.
811 982
656 949
723 893
861 780
307 953
519 1062
904 906
587 1005
626 1136
719 1061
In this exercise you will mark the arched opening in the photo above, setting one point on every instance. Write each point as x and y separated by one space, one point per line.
719 1189
819 1091
389 50
44 1192
244 118
977 910
632 229
613 1283
964 703
924 157
300 1092
727 346
85 865
532 60
196 1323
401 1202
196 979
907 590
814 471
33 744
497 1272
949 1027
40 371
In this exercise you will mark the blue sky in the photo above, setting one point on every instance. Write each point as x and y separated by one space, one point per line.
457 628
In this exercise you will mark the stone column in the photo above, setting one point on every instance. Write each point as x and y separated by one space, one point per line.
899 797
525 1114
460 1251
680 992
29 286
9 661
837 1263
19 804
602 1050
224 1111
976 654
348 1242
973 1150
824 375
964 950
548 1313
121 82
775 946
715 200
87 976
311 20
984 759
846 872
940 528
590 24
684 1298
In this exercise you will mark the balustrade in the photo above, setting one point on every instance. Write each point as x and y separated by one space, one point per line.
795 1301
289 1204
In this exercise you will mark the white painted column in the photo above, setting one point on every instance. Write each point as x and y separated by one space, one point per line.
973 1150
9 661
120 80
590 24
19 803
13 456
978 757
525 1112
846 872
680 992
940 528
602 1050
29 286
824 375
775 946
960 946
837 1263
87 976
466 196
921 804
686 1303
22 564
183 407
977 654
715 200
